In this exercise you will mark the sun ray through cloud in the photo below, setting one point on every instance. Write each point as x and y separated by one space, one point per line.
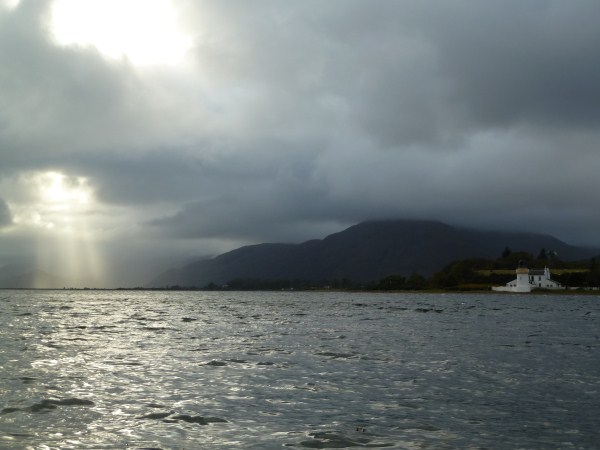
145 32
57 206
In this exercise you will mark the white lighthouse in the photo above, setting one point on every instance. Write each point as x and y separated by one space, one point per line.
522 282
529 279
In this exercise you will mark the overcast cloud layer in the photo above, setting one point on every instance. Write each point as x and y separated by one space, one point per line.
291 120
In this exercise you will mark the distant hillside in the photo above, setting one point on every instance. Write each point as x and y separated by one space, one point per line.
364 252
35 279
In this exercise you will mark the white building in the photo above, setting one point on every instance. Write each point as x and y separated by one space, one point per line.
529 279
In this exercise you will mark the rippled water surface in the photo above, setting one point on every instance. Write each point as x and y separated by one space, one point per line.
103 369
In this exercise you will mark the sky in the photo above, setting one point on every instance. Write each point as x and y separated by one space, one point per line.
137 135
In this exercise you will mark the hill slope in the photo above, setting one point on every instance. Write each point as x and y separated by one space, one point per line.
35 279
364 252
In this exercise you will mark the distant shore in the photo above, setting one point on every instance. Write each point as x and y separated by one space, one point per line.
571 291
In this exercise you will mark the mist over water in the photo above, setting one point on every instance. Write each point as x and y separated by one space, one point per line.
106 369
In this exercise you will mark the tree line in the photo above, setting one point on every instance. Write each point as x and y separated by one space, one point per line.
482 273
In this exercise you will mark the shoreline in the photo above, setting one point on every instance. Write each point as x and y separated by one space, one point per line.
571 291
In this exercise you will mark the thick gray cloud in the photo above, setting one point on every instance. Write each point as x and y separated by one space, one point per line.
293 120
531 63
5 214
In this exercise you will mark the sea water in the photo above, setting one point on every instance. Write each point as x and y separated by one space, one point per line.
172 370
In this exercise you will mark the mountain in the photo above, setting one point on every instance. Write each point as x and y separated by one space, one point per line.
364 252
12 278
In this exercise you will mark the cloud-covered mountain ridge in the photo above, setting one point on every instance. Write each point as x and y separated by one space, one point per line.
364 252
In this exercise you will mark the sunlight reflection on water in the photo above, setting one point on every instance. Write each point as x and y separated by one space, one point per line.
314 370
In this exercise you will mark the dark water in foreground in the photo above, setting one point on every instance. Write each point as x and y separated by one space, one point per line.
301 370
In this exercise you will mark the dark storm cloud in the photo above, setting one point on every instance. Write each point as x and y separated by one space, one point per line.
409 72
523 62
475 65
480 65
260 210
509 89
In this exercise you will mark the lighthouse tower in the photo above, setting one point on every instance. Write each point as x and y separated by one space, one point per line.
522 278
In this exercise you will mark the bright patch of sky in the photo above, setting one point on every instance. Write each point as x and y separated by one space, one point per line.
145 32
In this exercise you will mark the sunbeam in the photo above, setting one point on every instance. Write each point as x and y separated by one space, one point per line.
58 207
